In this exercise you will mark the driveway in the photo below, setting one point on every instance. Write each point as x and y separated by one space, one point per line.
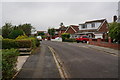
39 65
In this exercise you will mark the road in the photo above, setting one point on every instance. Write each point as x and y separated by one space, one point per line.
83 62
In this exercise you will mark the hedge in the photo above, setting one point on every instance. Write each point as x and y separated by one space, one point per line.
24 43
20 43
9 59
35 42
9 43
69 40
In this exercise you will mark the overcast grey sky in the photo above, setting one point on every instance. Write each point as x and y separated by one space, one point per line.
50 14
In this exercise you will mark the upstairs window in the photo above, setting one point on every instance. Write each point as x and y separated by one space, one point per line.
93 25
84 26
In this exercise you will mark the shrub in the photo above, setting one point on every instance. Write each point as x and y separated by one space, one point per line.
20 43
65 36
70 40
22 37
114 31
35 42
15 33
8 43
1 37
9 59
24 43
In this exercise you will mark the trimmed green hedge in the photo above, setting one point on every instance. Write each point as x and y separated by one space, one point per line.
35 42
69 40
9 43
20 43
24 43
9 59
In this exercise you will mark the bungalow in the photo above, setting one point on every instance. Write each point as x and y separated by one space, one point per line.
94 29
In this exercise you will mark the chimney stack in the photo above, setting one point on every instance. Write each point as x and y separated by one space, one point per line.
114 18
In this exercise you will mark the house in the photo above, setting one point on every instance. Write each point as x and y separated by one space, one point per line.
72 29
94 28
41 32
59 31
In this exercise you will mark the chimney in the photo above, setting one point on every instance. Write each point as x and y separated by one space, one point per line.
114 18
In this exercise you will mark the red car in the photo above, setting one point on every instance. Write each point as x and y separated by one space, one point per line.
83 38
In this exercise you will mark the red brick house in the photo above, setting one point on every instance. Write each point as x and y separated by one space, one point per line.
94 29
59 31
72 29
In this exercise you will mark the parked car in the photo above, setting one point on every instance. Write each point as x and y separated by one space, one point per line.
83 38
39 38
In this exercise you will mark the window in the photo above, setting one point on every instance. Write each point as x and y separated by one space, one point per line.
84 26
93 25
85 37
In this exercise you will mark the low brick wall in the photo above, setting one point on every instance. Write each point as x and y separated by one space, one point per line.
108 44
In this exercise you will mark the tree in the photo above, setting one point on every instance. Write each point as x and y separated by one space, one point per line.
51 31
26 28
114 31
15 33
65 36
41 33
6 29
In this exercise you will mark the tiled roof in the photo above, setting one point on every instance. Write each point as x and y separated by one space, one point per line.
75 27
95 21
40 31
63 28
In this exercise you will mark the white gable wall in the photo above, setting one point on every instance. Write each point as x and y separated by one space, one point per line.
89 26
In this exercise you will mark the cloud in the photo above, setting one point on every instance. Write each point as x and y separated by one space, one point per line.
50 14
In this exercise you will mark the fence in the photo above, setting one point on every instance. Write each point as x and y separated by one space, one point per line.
101 42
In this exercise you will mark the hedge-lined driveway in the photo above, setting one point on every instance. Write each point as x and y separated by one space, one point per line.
82 62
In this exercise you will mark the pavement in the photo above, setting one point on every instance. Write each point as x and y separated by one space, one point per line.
81 61
21 60
104 49
38 65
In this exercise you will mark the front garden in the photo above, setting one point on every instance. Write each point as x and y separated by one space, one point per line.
14 38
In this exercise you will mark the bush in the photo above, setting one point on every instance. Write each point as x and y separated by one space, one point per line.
8 43
22 37
114 31
70 40
1 37
65 36
20 43
35 42
15 33
24 43
9 59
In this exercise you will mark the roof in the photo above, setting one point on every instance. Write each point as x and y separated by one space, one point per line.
56 29
76 28
101 20
63 28
40 31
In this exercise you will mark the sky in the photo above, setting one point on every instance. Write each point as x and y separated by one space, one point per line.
44 15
